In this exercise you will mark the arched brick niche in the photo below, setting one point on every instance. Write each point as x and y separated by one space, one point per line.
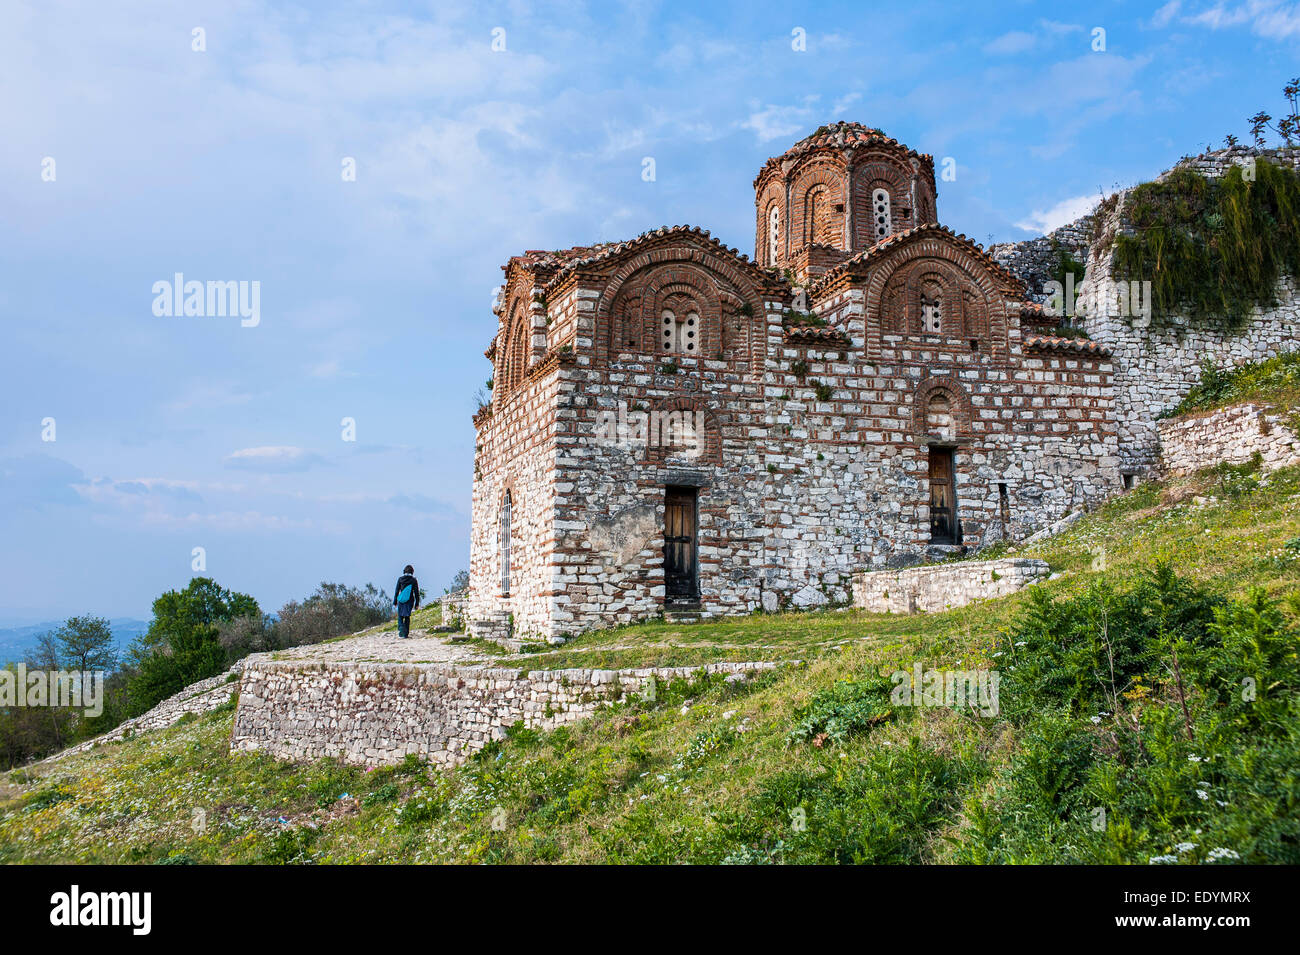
512 355
770 240
941 410
684 431
931 285
932 297
681 302
817 203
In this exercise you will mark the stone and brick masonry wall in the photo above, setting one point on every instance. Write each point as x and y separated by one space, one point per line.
515 455
944 586
1234 435
1035 260
377 713
798 490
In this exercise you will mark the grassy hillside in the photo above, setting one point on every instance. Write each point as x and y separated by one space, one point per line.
1148 712
1274 382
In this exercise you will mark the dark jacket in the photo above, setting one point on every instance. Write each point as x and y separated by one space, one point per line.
404 610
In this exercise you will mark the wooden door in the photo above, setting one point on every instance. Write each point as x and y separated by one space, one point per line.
680 573
943 498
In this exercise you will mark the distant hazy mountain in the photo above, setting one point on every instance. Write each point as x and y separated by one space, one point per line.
17 642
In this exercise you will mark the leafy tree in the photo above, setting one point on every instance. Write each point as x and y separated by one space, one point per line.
333 610
182 644
459 583
1287 126
86 644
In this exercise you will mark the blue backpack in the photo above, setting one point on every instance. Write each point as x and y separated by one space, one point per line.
405 596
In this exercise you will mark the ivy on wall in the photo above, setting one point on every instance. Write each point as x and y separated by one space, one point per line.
1213 248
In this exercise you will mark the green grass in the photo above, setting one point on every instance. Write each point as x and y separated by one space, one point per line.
427 616
1274 382
809 763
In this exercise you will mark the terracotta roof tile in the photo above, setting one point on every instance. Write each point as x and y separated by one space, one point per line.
597 255
1011 282
821 334
1052 343
842 135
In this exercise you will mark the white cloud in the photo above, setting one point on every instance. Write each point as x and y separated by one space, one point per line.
274 459
1063 213
1017 41
330 368
1162 17
1057 28
844 102
1267 18
778 122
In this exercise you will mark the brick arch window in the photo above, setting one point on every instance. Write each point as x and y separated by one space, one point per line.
773 234
931 306
881 221
679 329
504 542
814 212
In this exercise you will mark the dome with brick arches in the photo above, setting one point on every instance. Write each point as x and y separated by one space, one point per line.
836 192
841 134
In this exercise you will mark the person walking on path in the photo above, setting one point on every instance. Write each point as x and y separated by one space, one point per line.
406 598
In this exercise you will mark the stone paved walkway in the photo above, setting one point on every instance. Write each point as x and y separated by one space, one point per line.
385 647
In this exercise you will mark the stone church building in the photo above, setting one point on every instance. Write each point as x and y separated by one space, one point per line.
678 429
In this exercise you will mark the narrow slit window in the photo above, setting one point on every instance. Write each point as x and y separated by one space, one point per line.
505 544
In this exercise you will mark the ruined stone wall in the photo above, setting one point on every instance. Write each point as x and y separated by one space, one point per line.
377 713
1157 363
1233 435
1217 162
944 586
1034 260
196 699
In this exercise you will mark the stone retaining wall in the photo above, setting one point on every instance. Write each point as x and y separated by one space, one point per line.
197 698
376 713
944 586
1235 434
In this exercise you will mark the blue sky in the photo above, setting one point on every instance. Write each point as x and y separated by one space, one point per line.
225 164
